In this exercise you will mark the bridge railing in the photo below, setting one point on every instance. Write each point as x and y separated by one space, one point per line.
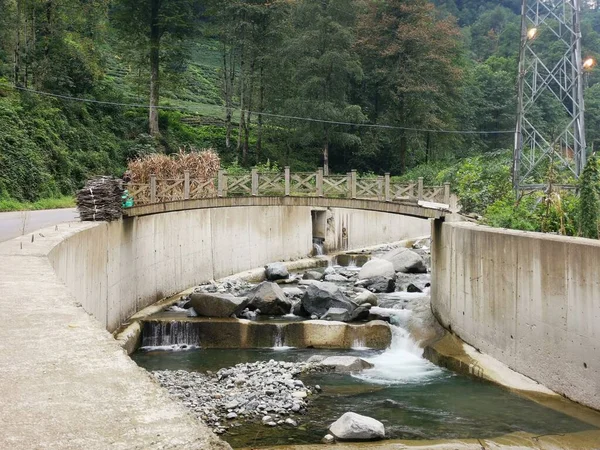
286 183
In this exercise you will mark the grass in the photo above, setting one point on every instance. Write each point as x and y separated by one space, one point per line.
44 203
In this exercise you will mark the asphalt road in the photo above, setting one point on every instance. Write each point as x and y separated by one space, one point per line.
12 224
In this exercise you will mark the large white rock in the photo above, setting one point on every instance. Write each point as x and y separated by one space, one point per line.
377 268
405 260
354 427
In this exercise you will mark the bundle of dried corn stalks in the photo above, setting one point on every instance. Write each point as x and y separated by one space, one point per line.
202 165
100 199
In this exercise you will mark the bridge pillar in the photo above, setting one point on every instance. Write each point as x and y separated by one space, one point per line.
287 180
388 195
320 182
254 175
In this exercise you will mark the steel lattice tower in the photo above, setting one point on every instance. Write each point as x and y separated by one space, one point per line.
557 71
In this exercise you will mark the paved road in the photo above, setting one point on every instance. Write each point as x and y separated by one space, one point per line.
11 223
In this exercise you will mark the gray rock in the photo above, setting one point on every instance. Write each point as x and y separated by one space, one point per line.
298 310
345 364
231 405
276 271
412 288
337 314
329 270
312 275
405 260
335 278
320 297
231 415
293 292
328 439
366 297
362 312
380 284
354 427
270 299
217 305
314 359
307 282
291 422
377 268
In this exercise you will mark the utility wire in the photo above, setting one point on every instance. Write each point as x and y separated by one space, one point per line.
279 116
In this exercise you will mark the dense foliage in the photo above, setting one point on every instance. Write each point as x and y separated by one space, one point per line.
242 77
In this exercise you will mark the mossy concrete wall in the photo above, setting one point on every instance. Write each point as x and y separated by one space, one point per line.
530 300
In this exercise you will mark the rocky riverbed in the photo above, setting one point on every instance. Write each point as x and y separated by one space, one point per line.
262 391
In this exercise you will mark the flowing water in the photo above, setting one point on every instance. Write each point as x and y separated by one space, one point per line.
412 397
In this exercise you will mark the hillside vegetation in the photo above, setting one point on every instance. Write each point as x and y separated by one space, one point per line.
379 86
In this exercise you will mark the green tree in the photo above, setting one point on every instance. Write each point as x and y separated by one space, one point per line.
415 62
589 205
147 23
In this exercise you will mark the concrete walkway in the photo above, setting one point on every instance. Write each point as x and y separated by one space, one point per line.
17 223
64 381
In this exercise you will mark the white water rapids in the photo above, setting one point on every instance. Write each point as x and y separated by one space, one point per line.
402 362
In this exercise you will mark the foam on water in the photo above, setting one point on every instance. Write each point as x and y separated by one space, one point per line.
402 362
169 348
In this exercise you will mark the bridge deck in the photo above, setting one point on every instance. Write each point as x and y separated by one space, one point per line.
402 208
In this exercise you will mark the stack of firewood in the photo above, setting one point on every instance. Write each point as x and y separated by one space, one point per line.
101 199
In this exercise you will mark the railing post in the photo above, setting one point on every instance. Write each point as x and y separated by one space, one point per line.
380 188
220 176
152 188
254 174
447 193
186 184
388 197
349 184
287 180
420 188
353 184
320 182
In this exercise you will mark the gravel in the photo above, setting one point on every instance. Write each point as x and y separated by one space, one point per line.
263 391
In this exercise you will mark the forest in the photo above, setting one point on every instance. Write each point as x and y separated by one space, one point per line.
411 87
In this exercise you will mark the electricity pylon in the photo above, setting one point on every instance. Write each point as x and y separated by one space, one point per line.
554 71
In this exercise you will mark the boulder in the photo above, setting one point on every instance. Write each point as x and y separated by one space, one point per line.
329 270
345 364
217 305
276 271
376 268
336 278
337 314
354 427
293 292
307 282
380 284
312 275
412 288
321 296
362 312
405 260
366 297
270 299
298 310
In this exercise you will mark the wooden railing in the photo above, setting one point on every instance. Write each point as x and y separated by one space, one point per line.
314 184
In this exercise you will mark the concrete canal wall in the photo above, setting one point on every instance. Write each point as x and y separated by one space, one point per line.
530 300
116 269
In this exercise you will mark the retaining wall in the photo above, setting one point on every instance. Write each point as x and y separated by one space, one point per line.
116 269
529 300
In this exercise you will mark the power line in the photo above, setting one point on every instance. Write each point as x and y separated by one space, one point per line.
279 116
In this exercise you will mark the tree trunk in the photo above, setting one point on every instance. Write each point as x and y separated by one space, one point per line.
261 105
242 112
227 91
326 153
250 88
154 66
403 149
17 52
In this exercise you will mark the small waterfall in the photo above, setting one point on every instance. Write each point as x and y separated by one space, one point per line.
174 335
403 361
359 343
318 246
279 337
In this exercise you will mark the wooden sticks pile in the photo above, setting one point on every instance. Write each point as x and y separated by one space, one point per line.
101 199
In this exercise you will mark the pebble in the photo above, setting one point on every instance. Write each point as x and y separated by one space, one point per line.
328 439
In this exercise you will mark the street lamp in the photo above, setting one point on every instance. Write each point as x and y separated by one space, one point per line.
532 33
589 63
